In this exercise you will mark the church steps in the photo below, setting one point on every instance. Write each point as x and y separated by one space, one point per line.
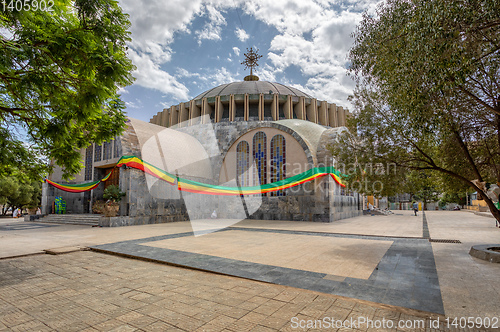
73 219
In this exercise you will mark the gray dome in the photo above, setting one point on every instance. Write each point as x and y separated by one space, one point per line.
251 87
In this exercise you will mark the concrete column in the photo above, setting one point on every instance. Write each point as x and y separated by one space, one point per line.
232 108
206 109
45 199
153 120
219 109
312 111
323 113
158 118
340 116
183 114
164 118
174 118
194 112
332 115
287 108
261 107
275 108
299 109
246 106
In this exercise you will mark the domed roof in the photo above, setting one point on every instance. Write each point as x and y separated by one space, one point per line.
251 87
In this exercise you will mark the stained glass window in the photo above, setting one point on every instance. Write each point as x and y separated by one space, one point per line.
107 151
116 149
88 162
97 153
260 158
278 161
243 163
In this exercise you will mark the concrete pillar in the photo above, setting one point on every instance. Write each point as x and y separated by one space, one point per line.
275 108
332 115
312 111
323 114
219 109
158 118
206 109
194 112
246 106
153 120
164 118
299 109
174 118
287 108
183 114
340 116
232 108
261 107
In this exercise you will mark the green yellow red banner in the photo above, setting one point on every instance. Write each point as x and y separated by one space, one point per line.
203 188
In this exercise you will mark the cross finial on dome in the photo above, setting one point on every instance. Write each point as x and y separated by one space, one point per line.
251 58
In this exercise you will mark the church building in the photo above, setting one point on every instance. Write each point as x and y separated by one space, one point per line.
240 135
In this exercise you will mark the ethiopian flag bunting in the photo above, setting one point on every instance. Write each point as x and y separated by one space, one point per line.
203 188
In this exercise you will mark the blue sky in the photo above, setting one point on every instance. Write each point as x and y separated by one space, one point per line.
184 47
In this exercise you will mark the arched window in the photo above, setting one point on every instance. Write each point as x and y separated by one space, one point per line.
278 161
260 158
243 163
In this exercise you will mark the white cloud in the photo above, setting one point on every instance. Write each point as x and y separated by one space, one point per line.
149 75
266 73
220 76
122 91
213 28
242 34
155 22
313 36
134 104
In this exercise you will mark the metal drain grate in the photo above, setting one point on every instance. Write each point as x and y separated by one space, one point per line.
444 241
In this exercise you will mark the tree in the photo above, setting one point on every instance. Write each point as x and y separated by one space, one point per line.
16 193
427 95
59 76
423 185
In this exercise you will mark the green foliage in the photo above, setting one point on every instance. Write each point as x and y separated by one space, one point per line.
59 76
16 193
113 193
427 95
458 198
423 185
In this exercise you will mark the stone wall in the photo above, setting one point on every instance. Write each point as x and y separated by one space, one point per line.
148 201
162 202
75 202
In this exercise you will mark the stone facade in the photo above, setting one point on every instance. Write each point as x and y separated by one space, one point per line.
212 135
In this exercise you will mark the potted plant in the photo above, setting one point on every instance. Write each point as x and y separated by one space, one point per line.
113 196
98 207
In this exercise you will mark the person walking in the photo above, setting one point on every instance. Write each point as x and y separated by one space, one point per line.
415 208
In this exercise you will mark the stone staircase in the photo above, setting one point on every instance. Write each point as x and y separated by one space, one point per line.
73 219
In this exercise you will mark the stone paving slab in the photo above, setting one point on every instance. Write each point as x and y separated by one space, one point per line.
88 291
469 286
404 276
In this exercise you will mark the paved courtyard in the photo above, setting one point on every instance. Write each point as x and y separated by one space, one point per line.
369 266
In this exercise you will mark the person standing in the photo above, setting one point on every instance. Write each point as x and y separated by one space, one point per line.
415 208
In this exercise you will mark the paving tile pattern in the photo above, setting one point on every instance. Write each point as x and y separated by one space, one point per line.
88 291
406 275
